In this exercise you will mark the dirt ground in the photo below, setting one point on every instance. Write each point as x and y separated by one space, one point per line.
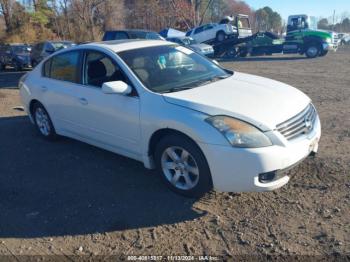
68 198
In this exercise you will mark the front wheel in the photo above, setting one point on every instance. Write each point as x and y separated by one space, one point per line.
312 51
182 166
34 63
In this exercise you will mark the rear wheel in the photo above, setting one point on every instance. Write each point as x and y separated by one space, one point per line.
43 122
323 53
182 166
312 50
17 67
231 52
243 53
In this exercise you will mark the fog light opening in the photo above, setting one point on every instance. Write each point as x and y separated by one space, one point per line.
267 177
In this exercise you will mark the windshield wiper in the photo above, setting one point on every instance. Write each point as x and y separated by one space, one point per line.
176 89
207 81
196 84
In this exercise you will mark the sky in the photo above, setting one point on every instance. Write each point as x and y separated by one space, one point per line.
318 8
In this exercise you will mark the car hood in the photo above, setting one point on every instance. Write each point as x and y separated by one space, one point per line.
260 101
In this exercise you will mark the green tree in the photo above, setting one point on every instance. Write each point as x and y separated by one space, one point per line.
268 20
323 24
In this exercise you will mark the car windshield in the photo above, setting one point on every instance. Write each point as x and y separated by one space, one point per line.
171 68
60 45
20 49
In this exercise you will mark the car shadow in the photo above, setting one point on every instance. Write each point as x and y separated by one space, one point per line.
262 58
71 188
9 78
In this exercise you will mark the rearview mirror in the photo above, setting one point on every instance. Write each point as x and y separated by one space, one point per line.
116 87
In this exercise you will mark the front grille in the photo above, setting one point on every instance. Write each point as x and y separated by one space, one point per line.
302 123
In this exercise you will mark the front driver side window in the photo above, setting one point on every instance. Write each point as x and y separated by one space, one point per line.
99 68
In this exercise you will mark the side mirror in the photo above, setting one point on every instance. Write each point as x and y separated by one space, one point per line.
116 87
215 62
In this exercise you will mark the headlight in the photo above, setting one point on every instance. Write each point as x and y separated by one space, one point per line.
239 133
328 40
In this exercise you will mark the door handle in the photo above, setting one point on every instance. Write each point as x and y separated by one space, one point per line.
43 88
83 101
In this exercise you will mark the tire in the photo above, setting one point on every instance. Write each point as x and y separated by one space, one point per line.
312 50
220 36
182 166
243 53
323 53
34 63
43 122
17 67
231 52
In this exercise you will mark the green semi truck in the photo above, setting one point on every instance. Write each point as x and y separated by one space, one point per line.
302 38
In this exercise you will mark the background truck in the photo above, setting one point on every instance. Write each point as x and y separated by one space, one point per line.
230 27
302 38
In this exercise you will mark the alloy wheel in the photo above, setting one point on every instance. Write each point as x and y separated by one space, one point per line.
42 121
180 168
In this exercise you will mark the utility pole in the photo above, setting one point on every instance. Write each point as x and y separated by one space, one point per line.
333 20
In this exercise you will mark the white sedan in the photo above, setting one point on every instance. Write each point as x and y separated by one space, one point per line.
200 125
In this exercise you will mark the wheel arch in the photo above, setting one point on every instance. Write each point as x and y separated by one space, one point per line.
220 31
32 103
160 133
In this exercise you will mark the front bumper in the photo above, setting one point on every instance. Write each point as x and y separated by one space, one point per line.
208 53
329 47
238 169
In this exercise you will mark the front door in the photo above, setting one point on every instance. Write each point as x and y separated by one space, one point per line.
108 119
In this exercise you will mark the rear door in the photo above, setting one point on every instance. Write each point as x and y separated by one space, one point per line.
204 33
60 89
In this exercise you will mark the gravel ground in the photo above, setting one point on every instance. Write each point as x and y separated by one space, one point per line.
68 198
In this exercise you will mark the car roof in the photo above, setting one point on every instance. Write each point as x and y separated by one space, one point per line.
128 44
18 44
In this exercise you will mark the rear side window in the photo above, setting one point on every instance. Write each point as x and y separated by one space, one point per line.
189 33
137 35
198 30
65 67
207 27
108 36
115 36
